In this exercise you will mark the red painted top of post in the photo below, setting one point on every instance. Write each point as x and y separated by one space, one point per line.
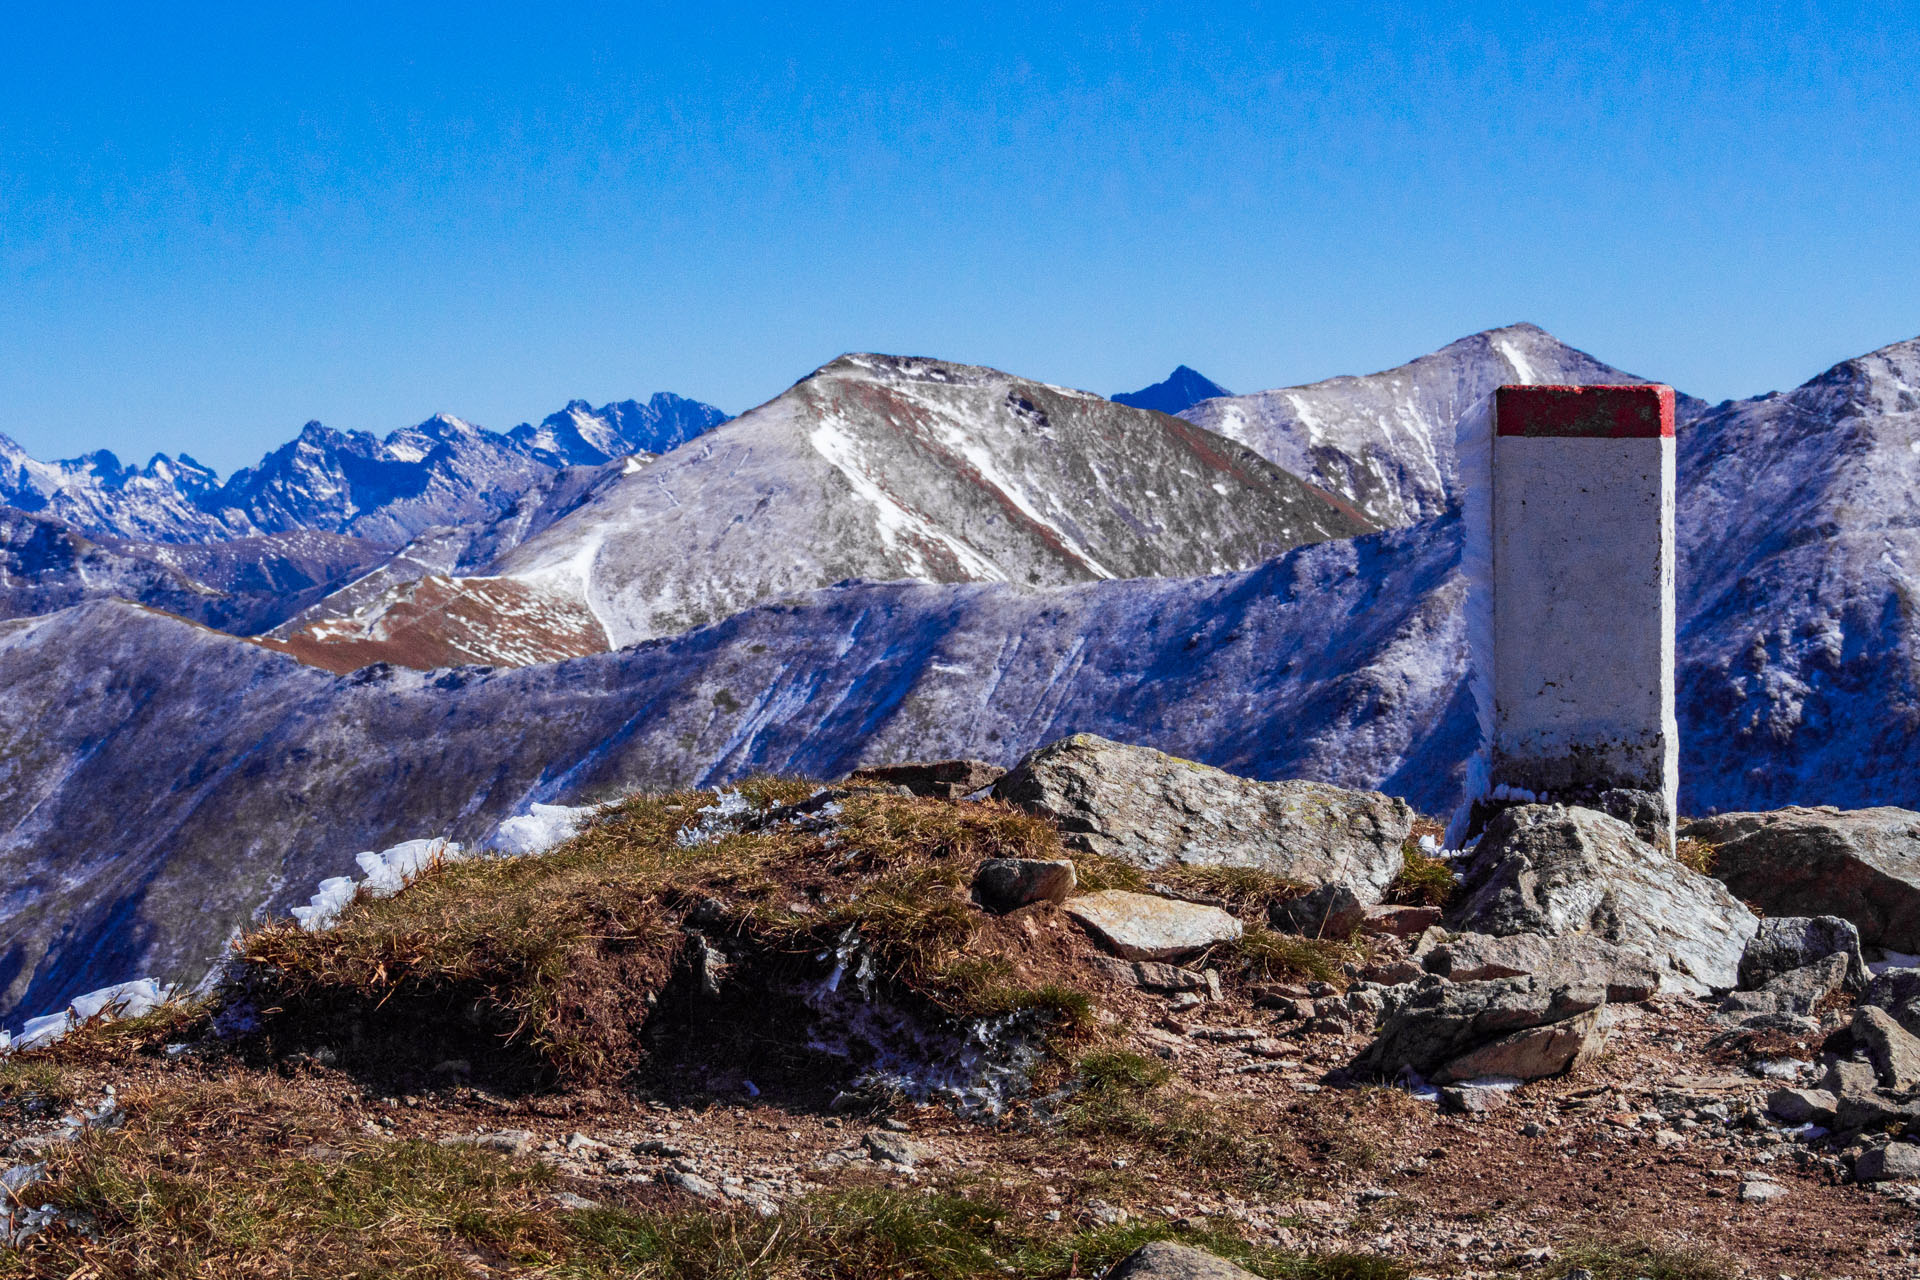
1641 411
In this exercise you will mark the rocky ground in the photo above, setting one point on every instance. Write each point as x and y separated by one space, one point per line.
1208 1077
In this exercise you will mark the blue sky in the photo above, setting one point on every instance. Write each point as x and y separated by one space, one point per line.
213 229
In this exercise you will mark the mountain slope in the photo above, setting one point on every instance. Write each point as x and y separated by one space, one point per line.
1384 442
1800 593
1178 391
243 585
880 467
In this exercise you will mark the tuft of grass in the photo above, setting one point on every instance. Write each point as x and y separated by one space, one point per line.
1423 881
1641 1260
36 1086
1124 1103
1696 855
557 953
1245 890
243 1179
1264 954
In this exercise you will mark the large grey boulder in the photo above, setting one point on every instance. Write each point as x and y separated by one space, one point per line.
1461 1031
1785 943
1861 864
1558 870
1152 810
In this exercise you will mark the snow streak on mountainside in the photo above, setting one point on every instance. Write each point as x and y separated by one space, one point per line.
885 468
236 779
1384 442
1800 588
1180 390
441 472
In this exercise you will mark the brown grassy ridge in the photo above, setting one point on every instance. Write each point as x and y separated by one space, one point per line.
561 954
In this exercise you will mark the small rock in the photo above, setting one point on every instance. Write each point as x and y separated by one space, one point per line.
1477 957
512 1142
1894 1052
1474 1100
1139 926
1534 1053
1164 1260
1802 1106
1400 921
691 1183
1151 975
1007 884
939 779
1786 943
893 1148
1331 911
568 1200
1895 1162
1755 1191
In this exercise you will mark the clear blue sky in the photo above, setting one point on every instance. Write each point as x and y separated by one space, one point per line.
215 228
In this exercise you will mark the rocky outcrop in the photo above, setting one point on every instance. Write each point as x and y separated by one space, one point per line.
1140 926
1520 1028
1151 809
1862 865
1556 870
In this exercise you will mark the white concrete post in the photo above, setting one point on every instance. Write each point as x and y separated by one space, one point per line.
1583 615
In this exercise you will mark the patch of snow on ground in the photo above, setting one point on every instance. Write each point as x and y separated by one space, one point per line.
543 827
386 873
122 1000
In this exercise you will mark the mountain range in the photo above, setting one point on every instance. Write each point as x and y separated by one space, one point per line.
164 782
442 472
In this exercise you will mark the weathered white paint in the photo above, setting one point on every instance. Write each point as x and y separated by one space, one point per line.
1583 597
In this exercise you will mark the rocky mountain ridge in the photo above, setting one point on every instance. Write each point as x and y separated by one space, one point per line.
444 471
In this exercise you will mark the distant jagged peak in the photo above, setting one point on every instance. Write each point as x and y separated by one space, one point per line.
1176 393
